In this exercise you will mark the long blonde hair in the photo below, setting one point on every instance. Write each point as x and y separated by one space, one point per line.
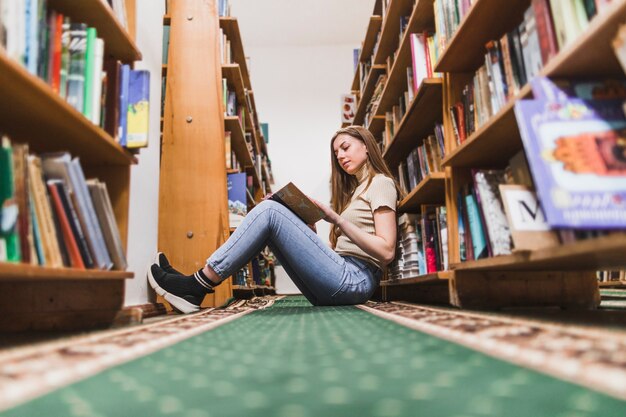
344 184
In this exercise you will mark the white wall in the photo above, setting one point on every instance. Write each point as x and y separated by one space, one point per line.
297 91
144 184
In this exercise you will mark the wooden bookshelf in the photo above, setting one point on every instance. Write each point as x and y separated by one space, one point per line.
118 43
591 54
373 28
197 93
36 297
431 190
238 143
390 33
230 26
423 112
421 19
232 73
32 112
368 90
422 279
605 252
10 272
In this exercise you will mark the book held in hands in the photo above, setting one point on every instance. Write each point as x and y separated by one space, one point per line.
295 200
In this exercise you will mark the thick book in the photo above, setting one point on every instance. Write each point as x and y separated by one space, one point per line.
576 154
295 200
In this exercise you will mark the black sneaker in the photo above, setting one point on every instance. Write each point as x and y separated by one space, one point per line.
161 260
177 289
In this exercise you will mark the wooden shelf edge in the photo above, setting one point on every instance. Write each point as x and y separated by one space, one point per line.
423 279
367 93
48 119
609 284
428 181
591 254
373 27
21 272
98 14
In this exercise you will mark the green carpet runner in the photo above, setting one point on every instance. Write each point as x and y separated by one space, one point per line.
295 360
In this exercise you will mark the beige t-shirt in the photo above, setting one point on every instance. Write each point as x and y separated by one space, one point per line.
360 211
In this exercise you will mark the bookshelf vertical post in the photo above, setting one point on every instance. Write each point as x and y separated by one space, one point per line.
193 212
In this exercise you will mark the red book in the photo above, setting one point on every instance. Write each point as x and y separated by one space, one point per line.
460 121
55 69
545 30
76 261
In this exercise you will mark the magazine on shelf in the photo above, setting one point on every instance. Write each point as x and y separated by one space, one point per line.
295 200
577 155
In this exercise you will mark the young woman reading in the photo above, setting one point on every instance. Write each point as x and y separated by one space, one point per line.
363 236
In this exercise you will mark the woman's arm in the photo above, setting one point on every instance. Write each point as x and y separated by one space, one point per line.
381 245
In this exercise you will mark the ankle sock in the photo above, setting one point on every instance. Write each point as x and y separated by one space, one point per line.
204 281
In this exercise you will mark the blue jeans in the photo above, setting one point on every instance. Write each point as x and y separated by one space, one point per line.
323 276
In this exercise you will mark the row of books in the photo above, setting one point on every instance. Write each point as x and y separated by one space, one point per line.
422 245
422 161
572 133
557 22
69 56
611 276
226 53
52 216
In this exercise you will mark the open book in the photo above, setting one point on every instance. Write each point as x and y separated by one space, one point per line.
295 200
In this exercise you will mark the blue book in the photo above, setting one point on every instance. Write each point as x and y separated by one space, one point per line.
477 232
237 198
138 113
265 128
577 155
123 104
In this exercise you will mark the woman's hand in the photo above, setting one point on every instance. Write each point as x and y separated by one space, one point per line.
267 196
329 214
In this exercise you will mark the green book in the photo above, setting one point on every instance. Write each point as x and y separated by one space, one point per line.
9 239
90 70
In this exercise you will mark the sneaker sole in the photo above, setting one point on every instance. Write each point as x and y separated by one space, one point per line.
180 304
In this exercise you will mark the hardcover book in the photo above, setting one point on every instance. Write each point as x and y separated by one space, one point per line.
527 223
295 200
237 202
577 155
486 183
138 116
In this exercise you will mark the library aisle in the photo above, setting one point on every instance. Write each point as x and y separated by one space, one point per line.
288 358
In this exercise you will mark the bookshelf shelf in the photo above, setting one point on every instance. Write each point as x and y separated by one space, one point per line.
32 112
465 51
356 79
238 143
420 20
367 92
600 253
20 272
97 13
590 54
390 33
230 26
232 73
422 279
418 122
493 143
370 37
610 284
430 190
377 124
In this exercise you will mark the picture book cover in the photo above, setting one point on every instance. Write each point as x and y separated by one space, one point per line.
295 200
237 203
576 150
138 117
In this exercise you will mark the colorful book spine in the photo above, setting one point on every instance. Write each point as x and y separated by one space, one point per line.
138 114
123 104
90 69
76 74
9 238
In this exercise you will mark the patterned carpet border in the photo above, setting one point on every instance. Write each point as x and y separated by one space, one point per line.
27 373
595 359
